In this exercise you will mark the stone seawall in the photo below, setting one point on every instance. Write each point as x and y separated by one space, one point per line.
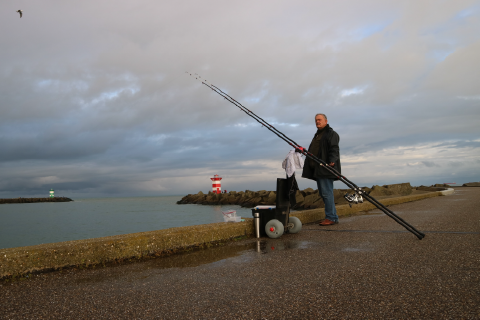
97 251
21 261
32 200
306 199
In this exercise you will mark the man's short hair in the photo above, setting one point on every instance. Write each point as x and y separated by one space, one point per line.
321 114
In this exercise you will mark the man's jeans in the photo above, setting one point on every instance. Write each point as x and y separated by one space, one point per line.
325 189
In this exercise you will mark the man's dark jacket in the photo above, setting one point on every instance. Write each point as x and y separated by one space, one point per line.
328 151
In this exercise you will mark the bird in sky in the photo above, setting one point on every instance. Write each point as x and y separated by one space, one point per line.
20 11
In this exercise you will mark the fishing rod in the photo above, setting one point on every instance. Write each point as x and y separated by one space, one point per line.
358 195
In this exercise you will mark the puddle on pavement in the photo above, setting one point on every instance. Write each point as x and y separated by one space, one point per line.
270 246
215 256
201 256
262 246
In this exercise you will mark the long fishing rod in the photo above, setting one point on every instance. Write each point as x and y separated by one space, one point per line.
358 191
350 184
319 161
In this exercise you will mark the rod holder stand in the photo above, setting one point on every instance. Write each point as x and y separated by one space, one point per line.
256 219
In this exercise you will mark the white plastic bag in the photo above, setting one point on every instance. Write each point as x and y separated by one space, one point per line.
231 216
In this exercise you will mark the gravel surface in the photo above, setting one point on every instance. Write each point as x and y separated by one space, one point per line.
365 267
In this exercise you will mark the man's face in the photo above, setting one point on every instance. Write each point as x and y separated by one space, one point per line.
320 122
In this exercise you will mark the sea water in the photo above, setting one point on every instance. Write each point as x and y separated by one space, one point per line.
26 224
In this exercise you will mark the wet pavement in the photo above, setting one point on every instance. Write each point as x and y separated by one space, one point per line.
367 266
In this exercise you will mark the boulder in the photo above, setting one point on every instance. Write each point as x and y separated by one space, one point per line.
403 189
299 198
251 202
366 189
262 193
309 200
338 195
249 193
225 200
392 189
270 198
199 196
380 191
317 203
309 191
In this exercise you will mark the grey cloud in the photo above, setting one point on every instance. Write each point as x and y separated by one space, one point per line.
429 164
456 163
460 144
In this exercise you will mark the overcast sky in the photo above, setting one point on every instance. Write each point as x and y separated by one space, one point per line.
95 101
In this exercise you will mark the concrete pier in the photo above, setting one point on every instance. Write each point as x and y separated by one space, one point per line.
22 261
367 266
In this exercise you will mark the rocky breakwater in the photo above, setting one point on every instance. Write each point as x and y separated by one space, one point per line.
32 200
306 199
471 184
245 198
443 185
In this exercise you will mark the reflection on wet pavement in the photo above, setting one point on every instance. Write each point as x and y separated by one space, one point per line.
269 246
213 257
143 269
217 254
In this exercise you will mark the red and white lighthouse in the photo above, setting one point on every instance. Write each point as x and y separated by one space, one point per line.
216 184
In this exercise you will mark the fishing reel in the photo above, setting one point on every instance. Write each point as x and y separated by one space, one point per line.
355 198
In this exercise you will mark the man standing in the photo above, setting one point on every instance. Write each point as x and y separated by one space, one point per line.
324 146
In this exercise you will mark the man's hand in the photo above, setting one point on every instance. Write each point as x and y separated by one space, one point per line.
332 164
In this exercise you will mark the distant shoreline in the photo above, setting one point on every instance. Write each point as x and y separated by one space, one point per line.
34 200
